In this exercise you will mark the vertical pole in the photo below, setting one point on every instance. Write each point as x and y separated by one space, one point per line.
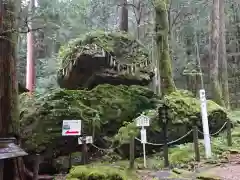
1 169
132 153
144 148
229 134
84 150
207 141
195 140
70 161
36 167
165 147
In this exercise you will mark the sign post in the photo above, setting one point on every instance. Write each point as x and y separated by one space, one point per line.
143 121
71 128
207 142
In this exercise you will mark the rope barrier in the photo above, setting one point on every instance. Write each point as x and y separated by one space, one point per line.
105 149
215 132
169 143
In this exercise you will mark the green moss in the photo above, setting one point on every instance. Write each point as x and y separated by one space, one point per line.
108 111
162 31
208 176
97 173
183 105
41 117
119 44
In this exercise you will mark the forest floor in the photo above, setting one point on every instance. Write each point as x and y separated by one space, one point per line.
224 164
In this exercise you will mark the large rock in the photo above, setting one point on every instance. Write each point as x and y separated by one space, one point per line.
116 106
104 57
41 117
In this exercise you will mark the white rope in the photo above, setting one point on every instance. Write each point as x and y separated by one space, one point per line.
215 132
169 143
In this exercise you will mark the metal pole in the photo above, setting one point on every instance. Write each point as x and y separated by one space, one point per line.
144 155
144 149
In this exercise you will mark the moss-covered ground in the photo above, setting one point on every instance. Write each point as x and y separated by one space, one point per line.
181 157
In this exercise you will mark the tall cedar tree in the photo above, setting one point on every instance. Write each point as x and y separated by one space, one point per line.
214 50
162 32
223 55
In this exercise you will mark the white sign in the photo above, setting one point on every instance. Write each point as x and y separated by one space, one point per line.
207 141
89 140
71 127
202 95
143 121
143 136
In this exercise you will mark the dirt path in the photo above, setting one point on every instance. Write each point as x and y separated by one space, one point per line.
229 171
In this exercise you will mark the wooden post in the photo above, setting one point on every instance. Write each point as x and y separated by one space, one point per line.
229 134
163 117
84 151
36 167
165 147
132 153
70 161
1 168
195 140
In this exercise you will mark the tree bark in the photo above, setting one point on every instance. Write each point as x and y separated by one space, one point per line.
8 84
223 55
214 50
162 32
124 16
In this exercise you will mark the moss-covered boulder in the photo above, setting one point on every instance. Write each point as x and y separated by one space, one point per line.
97 172
103 57
103 111
108 112
184 110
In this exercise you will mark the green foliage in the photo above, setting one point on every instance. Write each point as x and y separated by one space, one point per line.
96 173
127 132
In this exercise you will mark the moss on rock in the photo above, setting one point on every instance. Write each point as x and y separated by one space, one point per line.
119 44
107 111
102 57
97 172
105 106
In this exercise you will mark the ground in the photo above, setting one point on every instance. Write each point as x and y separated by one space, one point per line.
224 165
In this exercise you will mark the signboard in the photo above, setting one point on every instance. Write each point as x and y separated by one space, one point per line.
143 121
202 95
89 140
71 127
143 136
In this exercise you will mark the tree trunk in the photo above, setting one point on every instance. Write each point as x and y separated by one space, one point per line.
8 92
162 32
214 50
30 76
222 54
124 17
